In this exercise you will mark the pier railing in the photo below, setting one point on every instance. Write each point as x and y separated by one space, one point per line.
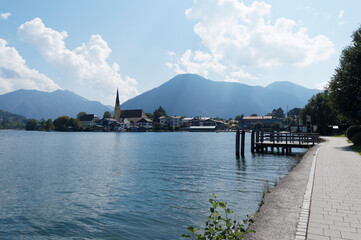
261 141
287 138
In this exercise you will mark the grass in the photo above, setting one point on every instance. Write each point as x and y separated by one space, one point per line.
342 135
356 148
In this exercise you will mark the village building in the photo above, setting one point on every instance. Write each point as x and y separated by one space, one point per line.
248 122
186 121
89 120
146 123
133 115
171 121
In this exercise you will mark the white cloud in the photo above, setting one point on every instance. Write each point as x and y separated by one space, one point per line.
195 62
5 15
239 76
87 63
340 16
15 74
238 36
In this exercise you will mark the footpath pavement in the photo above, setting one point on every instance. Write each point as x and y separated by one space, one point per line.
279 215
335 211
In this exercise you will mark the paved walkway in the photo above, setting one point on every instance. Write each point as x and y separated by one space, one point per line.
335 211
279 215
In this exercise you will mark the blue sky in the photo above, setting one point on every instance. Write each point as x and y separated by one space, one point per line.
92 47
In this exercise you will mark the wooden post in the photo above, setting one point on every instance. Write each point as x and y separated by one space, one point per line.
237 142
252 142
242 143
313 139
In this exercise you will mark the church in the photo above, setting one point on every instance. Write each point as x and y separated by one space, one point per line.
136 117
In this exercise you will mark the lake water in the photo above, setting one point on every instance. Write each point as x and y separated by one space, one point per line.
90 185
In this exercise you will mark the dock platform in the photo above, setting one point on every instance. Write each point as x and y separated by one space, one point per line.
262 141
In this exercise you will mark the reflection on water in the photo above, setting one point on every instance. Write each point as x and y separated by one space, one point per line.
124 185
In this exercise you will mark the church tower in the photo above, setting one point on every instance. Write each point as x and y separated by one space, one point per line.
117 108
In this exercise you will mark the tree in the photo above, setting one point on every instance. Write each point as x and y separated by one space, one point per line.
258 126
149 115
289 121
276 126
319 108
278 113
61 123
158 113
42 124
80 114
294 112
31 125
254 115
49 125
239 117
107 114
75 124
345 85
12 121
162 111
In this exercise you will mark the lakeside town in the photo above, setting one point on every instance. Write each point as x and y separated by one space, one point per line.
256 135
136 120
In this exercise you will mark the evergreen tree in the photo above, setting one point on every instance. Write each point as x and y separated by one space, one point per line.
49 125
158 113
278 113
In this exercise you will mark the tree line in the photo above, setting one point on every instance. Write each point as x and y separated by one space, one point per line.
340 102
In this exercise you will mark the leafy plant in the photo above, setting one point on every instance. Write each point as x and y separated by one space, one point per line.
356 139
352 130
220 227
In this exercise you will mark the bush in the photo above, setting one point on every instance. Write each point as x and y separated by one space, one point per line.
356 139
352 130
220 227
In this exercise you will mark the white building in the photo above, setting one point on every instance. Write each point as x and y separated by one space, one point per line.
171 121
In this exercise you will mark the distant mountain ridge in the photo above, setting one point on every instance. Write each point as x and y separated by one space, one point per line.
37 104
185 95
193 95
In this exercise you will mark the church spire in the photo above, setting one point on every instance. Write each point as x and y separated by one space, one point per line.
117 111
117 99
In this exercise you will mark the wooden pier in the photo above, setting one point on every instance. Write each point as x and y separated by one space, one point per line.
262 141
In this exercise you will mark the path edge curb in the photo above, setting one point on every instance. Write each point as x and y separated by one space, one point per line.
301 232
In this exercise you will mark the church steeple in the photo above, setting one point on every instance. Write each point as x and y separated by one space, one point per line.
117 108
117 99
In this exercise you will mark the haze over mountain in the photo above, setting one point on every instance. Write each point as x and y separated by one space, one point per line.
37 104
185 95
193 95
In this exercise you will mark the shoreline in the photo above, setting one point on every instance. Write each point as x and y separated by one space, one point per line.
279 214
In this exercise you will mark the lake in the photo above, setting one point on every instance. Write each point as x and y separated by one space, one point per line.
90 185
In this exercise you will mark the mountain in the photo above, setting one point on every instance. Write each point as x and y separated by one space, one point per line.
193 95
37 104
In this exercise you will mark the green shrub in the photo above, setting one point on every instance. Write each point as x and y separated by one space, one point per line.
220 227
352 130
356 139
